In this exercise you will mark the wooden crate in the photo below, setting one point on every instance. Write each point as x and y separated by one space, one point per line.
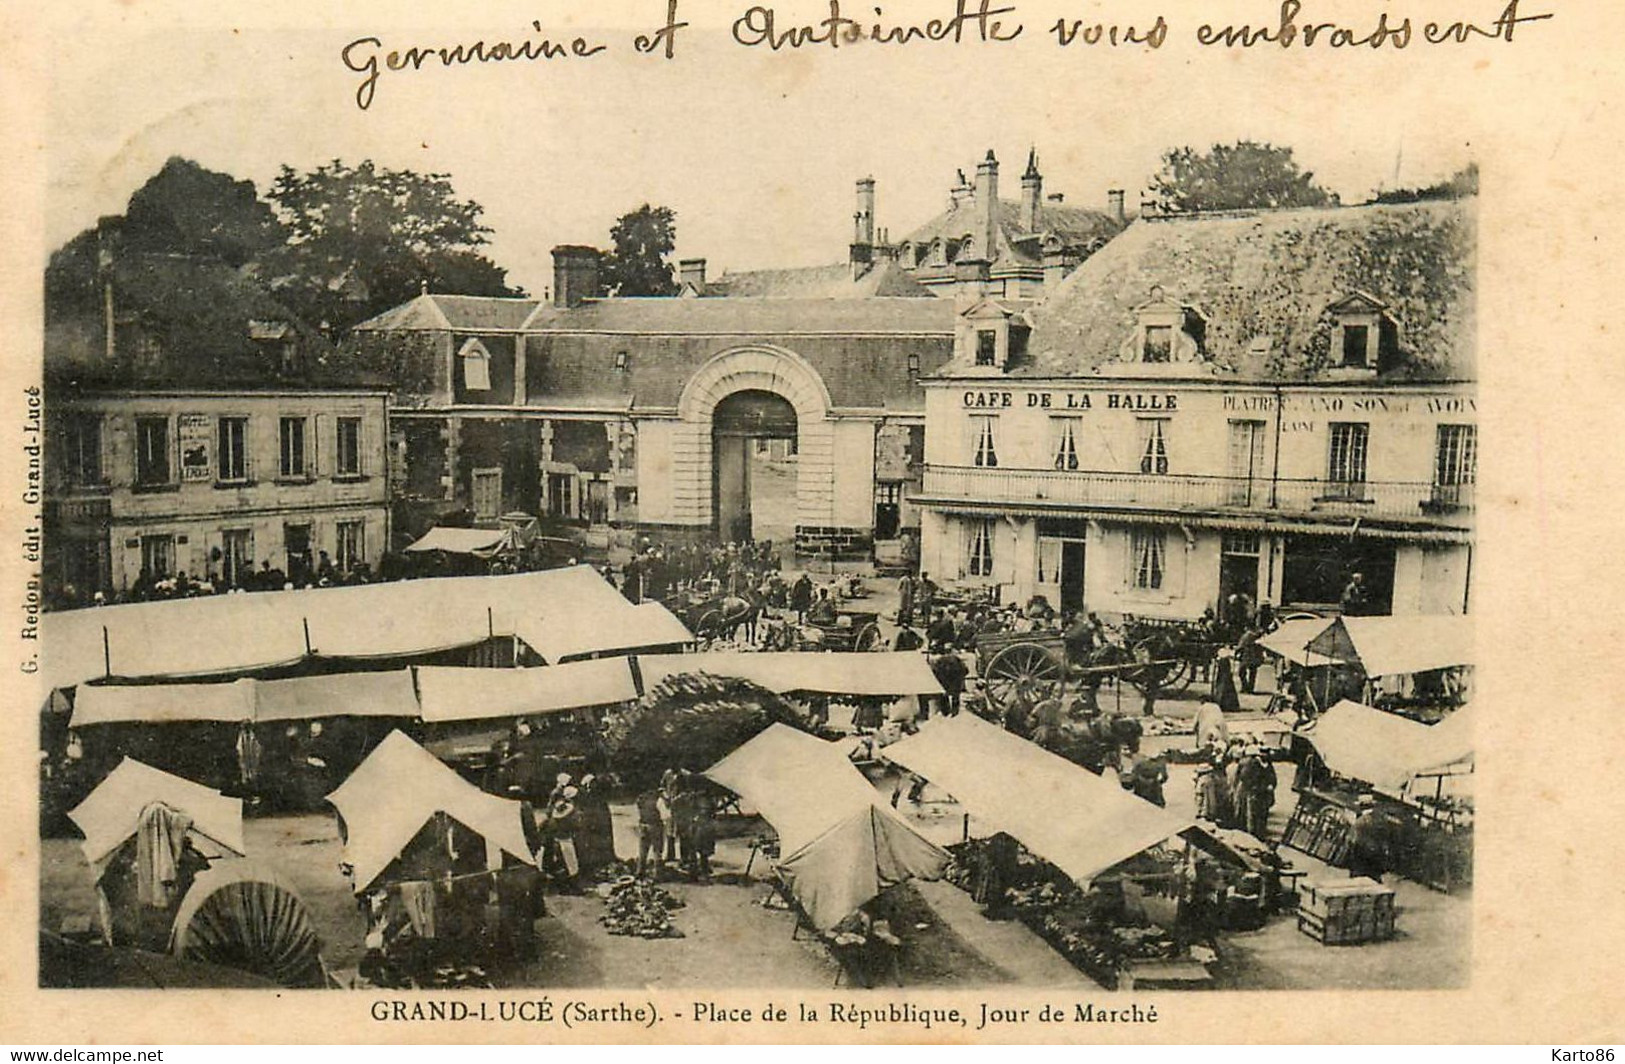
1349 929
1332 898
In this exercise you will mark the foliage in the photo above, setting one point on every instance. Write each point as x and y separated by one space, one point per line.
1237 176
692 721
1459 185
362 239
637 265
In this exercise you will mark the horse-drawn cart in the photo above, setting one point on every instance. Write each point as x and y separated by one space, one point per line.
852 630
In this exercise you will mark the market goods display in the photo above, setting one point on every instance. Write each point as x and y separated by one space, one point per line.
690 720
636 908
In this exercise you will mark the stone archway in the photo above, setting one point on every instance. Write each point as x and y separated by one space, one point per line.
755 367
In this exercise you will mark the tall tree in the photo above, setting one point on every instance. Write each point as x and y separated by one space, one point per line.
1236 176
1459 185
636 265
364 238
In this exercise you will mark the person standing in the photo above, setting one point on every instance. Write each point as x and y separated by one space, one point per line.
1353 600
801 596
905 601
950 671
925 594
1223 690
1256 783
941 635
651 833
1368 840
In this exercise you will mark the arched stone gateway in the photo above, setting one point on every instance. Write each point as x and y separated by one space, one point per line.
753 368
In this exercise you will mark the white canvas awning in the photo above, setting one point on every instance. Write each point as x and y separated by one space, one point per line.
352 694
1079 822
1392 646
875 675
610 626
349 694
480 542
111 812
1385 749
163 703
839 845
450 694
1291 640
399 787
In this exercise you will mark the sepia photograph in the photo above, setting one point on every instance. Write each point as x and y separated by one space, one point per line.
742 500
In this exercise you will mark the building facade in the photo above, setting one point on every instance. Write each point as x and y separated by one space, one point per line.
194 427
1264 404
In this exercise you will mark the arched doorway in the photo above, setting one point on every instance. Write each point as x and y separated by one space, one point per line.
754 466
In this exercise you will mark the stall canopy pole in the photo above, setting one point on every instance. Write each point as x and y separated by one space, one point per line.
107 652
306 622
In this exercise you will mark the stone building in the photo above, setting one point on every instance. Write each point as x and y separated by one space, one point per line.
193 425
1254 402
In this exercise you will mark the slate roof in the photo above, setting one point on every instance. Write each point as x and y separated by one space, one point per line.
1265 280
435 310
741 316
1078 227
819 282
189 322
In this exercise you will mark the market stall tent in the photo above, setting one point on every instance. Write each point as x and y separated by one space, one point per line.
455 694
1081 823
1385 749
839 845
833 673
352 694
111 813
400 787
479 542
1391 646
566 631
1291 641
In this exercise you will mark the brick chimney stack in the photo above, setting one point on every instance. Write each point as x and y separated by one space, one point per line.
863 228
575 274
691 272
1114 206
1032 195
987 206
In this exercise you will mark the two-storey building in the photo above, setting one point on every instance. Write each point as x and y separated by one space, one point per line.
1255 402
193 426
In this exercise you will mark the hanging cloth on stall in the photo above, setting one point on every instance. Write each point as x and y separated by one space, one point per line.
160 836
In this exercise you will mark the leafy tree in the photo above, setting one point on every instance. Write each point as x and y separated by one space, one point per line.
362 239
1459 185
637 264
1237 176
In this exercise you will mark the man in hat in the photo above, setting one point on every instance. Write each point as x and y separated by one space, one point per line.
950 671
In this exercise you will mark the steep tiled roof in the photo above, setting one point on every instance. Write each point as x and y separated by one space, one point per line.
434 310
819 282
749 316
1078 227
1264 282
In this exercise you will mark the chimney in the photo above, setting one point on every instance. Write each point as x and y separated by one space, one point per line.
1032 194
106 237
575 274
987 206
1114 206
1149 208
961 192
863 228
1057 197
1055 268
691 274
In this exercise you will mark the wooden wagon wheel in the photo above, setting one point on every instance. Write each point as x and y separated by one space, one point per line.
1024 672
708 624
868 639
1170 675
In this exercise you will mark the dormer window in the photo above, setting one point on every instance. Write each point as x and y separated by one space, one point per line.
1168 332
987 347
1363 330
1159 344
476 362
623 360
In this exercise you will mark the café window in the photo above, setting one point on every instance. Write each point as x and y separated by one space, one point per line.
1153 446
985 452
1066 442
979 559
349 447
1147 553
476 362
295 455
152 451
1345 464
233 454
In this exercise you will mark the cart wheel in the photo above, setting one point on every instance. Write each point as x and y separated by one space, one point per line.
709 624
1024 672
868 639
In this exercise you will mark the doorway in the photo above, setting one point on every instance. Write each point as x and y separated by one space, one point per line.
754 462
1072 556
1238 567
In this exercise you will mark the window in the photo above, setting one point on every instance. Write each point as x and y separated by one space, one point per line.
987 347
561 490
1153 446
351 545
1159 343
1345 467
1457 461
1246 461
486 488
237 556
913 364
233 462
476 362
349 447
622 360
1066 442
1356 344
152 450
158 556
82 450
1146 548
294 453
1239 543
985 454
980 560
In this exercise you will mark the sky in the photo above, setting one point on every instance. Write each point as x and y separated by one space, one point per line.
756 151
